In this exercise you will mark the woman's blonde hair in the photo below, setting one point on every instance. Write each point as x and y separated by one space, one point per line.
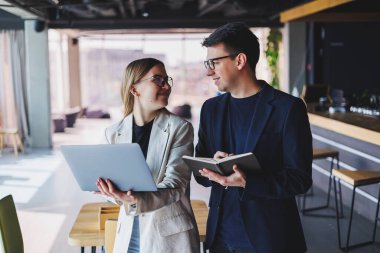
132 74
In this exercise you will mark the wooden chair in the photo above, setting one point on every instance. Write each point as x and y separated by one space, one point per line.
110 234
200 213
14 135
10 232
323 154
356 179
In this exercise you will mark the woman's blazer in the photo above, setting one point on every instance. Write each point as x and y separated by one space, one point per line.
167 222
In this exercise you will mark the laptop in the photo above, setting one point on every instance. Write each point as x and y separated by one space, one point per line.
123 164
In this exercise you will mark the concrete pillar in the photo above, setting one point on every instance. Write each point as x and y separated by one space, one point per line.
294 42
37 81
74 72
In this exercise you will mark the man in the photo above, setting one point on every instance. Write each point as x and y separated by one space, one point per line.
252 212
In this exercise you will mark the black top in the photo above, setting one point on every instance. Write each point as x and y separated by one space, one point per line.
141 135
240 113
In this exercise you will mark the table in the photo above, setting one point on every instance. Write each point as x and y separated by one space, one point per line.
85 231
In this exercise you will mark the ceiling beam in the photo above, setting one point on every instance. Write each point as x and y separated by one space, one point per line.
344 17
16 10
210 8
132 6
121 8
310 8
153 23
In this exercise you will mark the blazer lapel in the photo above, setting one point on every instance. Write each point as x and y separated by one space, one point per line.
124 133
158 143
219 123
260 118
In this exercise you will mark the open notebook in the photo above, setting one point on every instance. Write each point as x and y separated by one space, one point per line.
246 162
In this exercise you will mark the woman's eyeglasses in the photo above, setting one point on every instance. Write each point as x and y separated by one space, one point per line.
158 80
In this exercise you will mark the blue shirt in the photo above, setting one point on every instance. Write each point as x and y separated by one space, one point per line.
240 114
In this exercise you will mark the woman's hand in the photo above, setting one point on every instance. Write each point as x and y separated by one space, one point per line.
108 189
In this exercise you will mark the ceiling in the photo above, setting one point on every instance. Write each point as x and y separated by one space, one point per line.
138 14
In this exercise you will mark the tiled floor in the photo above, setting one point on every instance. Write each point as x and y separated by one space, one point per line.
48 198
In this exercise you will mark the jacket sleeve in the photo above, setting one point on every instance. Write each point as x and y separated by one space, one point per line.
177 175
201 148
295 176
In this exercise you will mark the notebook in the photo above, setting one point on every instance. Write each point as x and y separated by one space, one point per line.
246 162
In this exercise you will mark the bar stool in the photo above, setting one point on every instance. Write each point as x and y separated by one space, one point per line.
16 141
356 179
323 154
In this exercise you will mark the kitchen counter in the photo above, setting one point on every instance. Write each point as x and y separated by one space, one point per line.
354 125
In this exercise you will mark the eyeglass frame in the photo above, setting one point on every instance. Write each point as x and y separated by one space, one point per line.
164 80
208 66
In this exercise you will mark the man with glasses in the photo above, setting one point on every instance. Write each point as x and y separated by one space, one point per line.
252 212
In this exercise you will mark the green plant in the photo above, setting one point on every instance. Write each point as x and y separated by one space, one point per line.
272 52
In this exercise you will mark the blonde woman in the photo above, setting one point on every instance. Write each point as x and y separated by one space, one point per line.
161 221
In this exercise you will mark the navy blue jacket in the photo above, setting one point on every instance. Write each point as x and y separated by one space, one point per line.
280 138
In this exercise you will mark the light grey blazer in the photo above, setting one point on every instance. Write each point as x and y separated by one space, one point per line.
167 222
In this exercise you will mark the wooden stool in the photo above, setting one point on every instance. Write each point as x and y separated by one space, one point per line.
16 141
323 154
356 179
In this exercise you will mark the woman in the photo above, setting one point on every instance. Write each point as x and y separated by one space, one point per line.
161 221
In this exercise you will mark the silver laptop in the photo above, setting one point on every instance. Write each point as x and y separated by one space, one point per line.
123 164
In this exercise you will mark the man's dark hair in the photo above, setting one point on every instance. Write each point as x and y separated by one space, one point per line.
237 38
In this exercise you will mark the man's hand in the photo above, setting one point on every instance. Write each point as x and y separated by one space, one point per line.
221 154
108 189
235 179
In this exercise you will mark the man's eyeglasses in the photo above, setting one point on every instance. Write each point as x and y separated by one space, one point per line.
158 80
210 64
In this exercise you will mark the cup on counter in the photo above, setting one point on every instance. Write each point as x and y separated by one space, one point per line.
324 103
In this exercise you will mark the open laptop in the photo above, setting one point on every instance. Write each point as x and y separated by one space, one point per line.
123 164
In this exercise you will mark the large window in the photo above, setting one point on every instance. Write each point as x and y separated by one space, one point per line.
103 58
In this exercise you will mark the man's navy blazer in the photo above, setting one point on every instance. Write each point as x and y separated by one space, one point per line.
280 138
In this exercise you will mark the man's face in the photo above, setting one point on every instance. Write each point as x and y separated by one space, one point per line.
225 71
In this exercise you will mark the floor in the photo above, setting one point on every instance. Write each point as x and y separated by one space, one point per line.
48 198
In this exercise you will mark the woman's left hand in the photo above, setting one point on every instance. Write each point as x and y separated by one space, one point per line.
107 188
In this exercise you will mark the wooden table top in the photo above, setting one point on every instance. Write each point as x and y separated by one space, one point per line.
85 231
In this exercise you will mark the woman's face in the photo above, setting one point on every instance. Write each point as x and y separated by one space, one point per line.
148 92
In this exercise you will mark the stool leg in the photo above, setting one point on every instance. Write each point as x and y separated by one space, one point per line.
14 141
330 178
303 203
376 217
20 143
337 212
1 142
340 189
350 220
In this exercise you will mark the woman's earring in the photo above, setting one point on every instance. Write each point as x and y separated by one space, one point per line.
134 92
